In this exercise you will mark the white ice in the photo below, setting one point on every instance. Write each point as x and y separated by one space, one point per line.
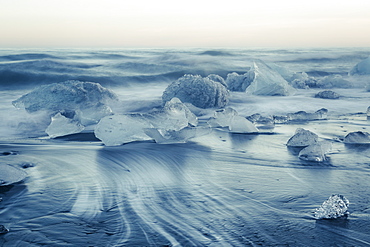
266 81
362 68
200 91
62 126
302 138
334 207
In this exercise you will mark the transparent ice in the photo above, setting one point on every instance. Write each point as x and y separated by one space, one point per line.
182 136
302 116
315 152
266 81
61 126
334 207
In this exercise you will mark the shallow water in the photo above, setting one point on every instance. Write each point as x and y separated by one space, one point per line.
222 189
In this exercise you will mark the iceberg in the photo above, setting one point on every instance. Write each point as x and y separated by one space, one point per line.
158 125
236 82
315 152
266 81
62 126
10 174
362 68
334 207
359 137
229 117
202 92
302 138
327 94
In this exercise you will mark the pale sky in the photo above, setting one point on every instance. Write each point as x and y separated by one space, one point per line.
190 23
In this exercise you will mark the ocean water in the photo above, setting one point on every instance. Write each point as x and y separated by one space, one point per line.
221 189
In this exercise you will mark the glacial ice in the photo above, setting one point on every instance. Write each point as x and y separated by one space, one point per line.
10 174
200 91
266 81
302 138
358 137
327 94
161 125
61 126
229 117
236 82
334 207
362 68
315 152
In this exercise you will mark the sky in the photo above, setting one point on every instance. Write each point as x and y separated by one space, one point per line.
190 23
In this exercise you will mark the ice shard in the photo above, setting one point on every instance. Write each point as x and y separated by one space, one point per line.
62 126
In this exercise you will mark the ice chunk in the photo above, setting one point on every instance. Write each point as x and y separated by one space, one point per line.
61 126
65 96
181 136
10 175
199 91
302 138
119 129
242 125
217 78
223 117
334 81
307 116
3 229
315 152
229 117
236 82
266 81
175 116
362 68
334 207
327 94
262 123
359 137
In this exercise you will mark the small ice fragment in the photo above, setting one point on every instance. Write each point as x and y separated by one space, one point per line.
302 138
92 115
327 94
307 116
181 136
266 81
334 207
359 137
223 117
119 129
362 68
3 229
177 110
242 125
62 126
10 175
368 111
200 91
315 152
262 123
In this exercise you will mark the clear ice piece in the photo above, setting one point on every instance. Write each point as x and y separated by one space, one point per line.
62 126
242 125
181 136
334 207
315 152
302 138
223 117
